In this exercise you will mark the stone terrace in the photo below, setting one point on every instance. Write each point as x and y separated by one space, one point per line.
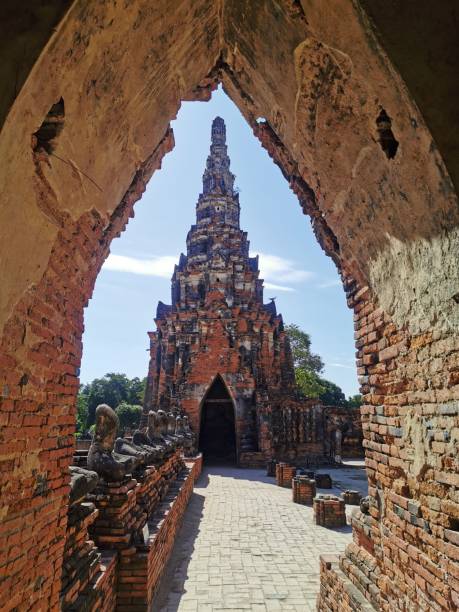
245 545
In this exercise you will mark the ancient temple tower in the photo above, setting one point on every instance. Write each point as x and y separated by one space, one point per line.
219 352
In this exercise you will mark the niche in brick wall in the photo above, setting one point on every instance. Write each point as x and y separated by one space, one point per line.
387 140
44 139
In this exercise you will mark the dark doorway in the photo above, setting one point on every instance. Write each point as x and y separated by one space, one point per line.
217 437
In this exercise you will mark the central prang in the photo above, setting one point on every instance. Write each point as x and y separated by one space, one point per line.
220 354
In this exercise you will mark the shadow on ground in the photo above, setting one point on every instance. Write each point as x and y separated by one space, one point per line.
173 580
253 530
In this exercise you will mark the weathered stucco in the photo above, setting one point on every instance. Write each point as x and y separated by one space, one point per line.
119 98
429 275
326 120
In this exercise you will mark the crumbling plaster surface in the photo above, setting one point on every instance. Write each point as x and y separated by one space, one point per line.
416 281
122 69
394 219
421 39
24 31
315 71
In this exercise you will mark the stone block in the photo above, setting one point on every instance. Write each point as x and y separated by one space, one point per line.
323 481
284 475
329 511
303 490
351 497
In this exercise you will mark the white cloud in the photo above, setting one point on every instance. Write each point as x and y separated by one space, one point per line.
278 287
341 365
272 268
162 266
336 282
275 268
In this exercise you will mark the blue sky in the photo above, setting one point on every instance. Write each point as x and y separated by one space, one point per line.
137 273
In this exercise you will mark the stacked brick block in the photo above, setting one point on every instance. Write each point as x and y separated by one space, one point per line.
284 475
124 507
105 585
351 497
150 489
195 464
81 556
329 511
337 592
304 490
119 514
141 570
118 543
362 570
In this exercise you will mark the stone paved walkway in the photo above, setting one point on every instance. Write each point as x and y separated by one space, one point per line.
245 545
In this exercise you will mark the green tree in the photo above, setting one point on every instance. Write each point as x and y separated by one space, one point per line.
308 367
300 343
137 390
102 391
354 401
113 389
332 394
129 415
82 410
309 383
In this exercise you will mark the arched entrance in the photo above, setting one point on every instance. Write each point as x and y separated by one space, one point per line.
217 435
384 221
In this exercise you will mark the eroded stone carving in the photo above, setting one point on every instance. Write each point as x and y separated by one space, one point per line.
174 428
81 482
338 444
111 466
162 427
124 447
190 438
147 442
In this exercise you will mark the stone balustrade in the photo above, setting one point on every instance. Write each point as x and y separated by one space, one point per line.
120 536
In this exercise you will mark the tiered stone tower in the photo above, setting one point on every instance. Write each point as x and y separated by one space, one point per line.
219 353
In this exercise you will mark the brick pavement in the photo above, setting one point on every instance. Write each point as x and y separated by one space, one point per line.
245 545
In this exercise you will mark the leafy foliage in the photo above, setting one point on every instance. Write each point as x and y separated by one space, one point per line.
308 367
300 343
309 383
112 389
354 401
129 415
332 394
82 411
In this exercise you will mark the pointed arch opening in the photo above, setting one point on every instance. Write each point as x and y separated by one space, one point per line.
217 433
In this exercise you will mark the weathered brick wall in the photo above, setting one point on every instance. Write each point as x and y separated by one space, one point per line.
81 557
140 573
410 422
40 354
337 592
106 566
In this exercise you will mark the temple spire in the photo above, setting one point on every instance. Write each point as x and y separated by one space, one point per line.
218 132
217 178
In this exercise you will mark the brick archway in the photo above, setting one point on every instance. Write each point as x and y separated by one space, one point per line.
312 83
217 432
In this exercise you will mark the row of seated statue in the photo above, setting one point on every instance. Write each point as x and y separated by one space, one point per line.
113 458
